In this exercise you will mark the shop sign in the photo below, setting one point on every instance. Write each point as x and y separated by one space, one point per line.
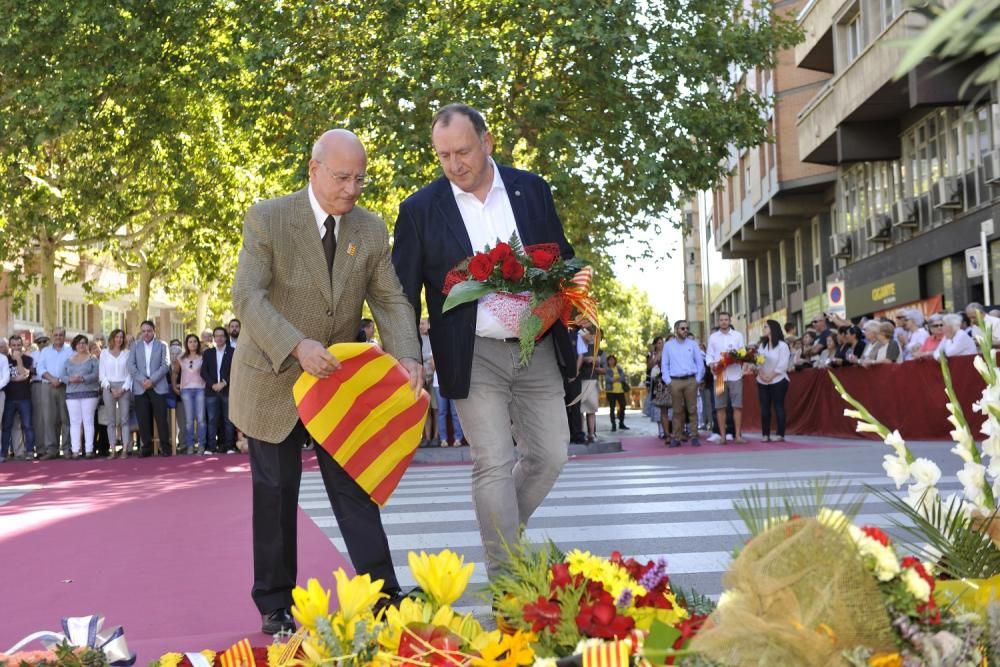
892 291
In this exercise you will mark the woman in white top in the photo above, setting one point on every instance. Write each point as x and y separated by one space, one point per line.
117 387
955 342
772 379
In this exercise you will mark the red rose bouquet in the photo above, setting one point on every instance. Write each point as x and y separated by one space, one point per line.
527 289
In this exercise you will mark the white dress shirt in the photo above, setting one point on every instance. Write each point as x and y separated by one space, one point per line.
488 222
956 346
149 354
51 361
114 369
4 371
720 342
917 340
321 216
220 354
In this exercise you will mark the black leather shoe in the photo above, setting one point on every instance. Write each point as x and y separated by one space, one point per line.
277 621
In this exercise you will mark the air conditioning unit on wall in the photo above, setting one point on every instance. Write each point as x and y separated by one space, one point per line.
947 193
991 167
840 246
878 228
906 213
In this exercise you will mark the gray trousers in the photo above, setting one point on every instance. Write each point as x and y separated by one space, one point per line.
39 403
56 420
507 404
118 416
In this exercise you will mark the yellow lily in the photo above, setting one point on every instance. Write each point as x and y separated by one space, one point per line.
397 618
311 603
510 651
357 594
443 576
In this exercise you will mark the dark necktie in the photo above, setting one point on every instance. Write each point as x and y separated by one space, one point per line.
329 241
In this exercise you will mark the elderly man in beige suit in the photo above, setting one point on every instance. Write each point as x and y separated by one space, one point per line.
308 261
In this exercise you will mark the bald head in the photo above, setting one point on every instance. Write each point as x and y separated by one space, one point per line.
337 170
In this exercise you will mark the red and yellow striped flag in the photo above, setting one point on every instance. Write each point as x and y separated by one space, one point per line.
239 654
365 416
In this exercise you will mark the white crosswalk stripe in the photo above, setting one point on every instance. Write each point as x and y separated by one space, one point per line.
697 532
10 493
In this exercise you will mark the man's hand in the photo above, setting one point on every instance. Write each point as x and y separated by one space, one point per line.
218 387
416 372
55 382
147 384
315 359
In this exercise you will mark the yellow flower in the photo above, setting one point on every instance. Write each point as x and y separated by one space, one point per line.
357 594
311 603
510 651
170 659
443 576
741 352
396 618
886 660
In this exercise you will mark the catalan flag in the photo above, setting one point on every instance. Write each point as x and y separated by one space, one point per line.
365 416
239 654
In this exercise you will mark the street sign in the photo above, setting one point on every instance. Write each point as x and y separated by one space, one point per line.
835 299
974 262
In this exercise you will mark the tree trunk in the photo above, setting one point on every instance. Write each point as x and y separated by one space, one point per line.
201 309
142 303
47 271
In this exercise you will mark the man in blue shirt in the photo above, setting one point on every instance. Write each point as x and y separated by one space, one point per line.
55 416
683 367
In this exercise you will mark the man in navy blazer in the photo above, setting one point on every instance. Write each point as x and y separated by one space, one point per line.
474 205
216 363
148 365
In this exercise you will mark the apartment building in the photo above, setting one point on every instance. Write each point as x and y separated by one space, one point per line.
917 164
79 312
765 227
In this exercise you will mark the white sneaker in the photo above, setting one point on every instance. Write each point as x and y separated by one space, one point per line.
713 438
729 437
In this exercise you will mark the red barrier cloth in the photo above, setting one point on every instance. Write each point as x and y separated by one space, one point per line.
907 397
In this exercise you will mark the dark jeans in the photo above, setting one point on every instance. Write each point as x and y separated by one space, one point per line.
768 395
573 414
217 409
276 470
619 400
23 408
150 407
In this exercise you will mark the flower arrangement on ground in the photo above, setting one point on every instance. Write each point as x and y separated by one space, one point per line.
822 591
527 289
568 600
960 533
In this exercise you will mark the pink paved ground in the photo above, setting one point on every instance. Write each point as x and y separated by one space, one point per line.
160 546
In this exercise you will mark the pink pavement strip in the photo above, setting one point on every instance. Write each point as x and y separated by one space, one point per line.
159 546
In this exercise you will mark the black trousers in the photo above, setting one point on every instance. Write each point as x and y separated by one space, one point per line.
619 400
772 395
276 471
150 406
573 414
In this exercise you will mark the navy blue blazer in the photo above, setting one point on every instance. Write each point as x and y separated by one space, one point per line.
210 369
430 239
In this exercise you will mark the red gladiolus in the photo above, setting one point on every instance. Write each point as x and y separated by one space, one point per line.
876 534
602 620
561 578
542 614
511 269
543 259
501 252
481 266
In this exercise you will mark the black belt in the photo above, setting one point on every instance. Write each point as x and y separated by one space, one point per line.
511 340
681 377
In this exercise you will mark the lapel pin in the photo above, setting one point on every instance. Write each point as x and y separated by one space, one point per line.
517 193
352 249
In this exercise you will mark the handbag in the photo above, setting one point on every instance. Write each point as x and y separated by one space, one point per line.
661 394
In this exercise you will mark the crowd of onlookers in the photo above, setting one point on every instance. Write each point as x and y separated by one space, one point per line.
117 395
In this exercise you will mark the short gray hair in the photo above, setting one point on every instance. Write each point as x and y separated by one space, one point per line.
953 320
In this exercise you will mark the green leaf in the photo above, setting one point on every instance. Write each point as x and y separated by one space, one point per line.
660 642
464 292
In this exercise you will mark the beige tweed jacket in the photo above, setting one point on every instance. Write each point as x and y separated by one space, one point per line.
283 294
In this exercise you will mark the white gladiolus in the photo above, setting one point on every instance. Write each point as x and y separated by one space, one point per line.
853 414
897 469
895 440
953 419
991 445
916 585
921 497
865 427
981 366
962 452
832 518
972 477
925 472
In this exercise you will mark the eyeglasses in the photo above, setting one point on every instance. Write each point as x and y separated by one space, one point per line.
343 179
935 325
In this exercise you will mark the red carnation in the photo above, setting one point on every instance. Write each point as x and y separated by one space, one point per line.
543 259
501 252
876 534
481 266
602 620
511 269
542 614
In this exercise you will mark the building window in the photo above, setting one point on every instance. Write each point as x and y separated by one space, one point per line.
797 251
72 315
31 309
890 10
111 319
745 170
817 271
177 330
852 32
